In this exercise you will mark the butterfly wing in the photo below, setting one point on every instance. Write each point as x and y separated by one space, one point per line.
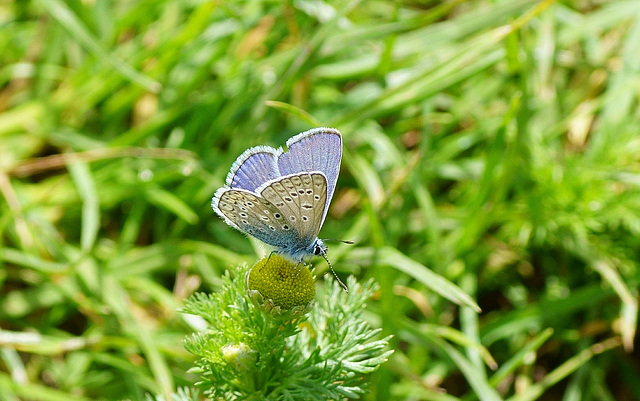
301 199
319 149
282 198
253 168
254 215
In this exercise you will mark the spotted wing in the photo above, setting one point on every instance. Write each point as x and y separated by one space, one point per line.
249 213
301 199
318 149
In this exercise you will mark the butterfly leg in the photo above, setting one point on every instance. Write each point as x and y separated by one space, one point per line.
297 269
267 262
301 265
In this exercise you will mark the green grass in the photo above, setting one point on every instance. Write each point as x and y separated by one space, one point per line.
493 145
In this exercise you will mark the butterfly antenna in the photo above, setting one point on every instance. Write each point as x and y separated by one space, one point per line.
344 241
344 287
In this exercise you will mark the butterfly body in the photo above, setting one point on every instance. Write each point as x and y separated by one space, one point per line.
282 198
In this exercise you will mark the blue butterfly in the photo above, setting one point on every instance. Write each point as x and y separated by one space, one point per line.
282 198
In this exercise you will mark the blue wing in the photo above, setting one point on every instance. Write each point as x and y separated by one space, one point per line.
253 168
319 149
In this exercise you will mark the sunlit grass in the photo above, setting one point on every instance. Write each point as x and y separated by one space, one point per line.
491 158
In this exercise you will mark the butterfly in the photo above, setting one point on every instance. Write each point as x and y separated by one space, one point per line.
282 198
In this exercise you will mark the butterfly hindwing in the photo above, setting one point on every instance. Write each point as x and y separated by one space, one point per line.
254 215
253 168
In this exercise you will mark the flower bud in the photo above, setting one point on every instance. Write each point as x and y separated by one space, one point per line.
240 356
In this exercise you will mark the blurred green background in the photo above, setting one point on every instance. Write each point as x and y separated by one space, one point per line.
493 142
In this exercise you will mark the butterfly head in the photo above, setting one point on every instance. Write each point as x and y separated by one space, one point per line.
319 248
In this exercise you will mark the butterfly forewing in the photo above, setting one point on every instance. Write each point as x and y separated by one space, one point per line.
301 199
318 149
254 215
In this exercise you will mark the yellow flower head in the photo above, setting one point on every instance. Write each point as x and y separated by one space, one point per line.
279 284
